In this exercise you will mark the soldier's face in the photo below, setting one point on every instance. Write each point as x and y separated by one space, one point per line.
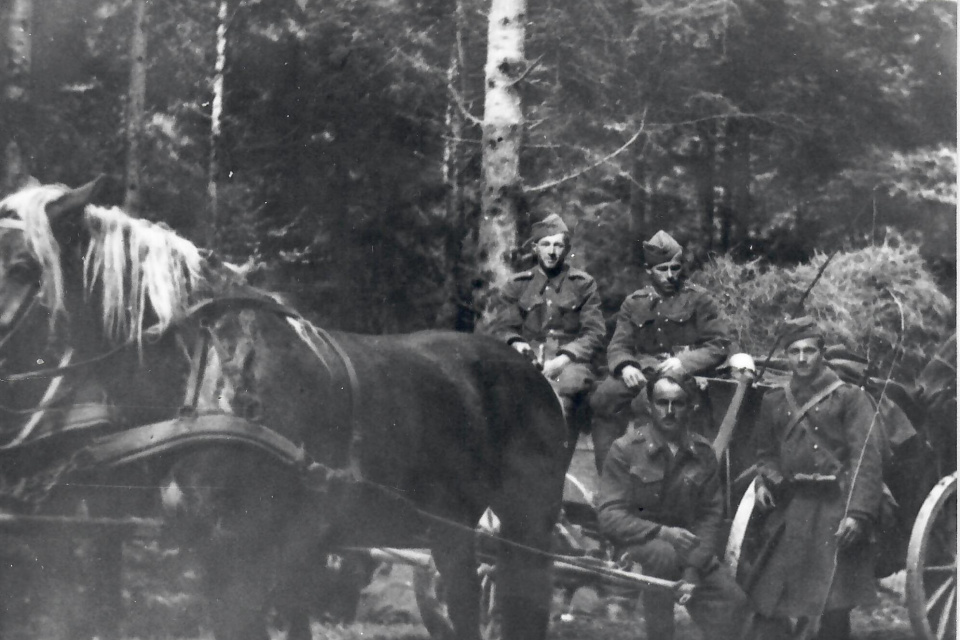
805 358
666 277
551 251
670 408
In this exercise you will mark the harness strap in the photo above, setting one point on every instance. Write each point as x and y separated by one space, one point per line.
799 413
356 434
47 398
148 440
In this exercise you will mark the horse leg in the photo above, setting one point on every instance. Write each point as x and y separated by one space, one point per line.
107 557
235 596
455 557
528 506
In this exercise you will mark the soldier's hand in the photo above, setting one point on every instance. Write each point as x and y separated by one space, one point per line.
764 497
522 348
850 531
553 366
681 539
632 377
671 367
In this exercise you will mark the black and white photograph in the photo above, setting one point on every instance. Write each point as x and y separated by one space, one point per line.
478 319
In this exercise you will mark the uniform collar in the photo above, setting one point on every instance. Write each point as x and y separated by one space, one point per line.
656 443
815 386
541 279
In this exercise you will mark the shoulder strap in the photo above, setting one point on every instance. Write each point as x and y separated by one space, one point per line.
800 412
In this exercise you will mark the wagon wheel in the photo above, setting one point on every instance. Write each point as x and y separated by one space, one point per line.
739 527
932 564
428 591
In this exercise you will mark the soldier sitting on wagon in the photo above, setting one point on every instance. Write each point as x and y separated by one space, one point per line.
661 505
551 313
668 327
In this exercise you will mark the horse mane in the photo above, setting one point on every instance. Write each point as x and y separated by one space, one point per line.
136 265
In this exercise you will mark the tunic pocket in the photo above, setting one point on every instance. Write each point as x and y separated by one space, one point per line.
570 314
647 485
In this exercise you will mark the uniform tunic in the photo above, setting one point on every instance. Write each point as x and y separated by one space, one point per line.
802 573
644 486
651 328
561 315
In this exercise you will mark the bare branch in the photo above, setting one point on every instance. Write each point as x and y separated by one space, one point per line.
530 67
458 100
605 159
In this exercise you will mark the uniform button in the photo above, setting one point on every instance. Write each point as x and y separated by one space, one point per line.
549 302
816 446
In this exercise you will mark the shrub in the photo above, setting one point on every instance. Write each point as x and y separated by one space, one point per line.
879 301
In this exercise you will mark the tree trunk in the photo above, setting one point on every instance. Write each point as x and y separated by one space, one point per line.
502 129
639 207
706 181
216 115
458 312
15 118
135 105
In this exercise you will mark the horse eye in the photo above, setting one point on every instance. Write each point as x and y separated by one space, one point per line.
24 271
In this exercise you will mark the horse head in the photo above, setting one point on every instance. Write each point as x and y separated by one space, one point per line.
81 287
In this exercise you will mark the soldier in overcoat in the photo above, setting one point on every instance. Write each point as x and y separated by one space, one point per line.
669 326
819 447
661 504
551 313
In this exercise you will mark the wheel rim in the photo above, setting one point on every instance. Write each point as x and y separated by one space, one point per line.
932 564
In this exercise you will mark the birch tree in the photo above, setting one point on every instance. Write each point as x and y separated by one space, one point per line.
16 94
216 124
135 105
502 132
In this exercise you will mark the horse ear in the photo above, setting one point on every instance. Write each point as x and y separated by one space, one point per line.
76 199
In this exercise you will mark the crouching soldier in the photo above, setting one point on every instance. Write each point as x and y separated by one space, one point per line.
668 327
661 505
551 313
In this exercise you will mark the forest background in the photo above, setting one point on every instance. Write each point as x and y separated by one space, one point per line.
335 146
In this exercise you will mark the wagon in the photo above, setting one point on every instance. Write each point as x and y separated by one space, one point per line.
729 413
923 539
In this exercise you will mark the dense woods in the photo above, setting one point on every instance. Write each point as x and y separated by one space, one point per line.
346 150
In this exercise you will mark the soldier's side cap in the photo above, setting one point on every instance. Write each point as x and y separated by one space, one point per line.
798 329
661 248
549 226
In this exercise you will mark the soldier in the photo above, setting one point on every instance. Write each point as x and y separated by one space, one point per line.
551 313
668 327
819 447
661 505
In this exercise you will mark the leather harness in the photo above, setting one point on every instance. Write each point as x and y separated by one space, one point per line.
188 430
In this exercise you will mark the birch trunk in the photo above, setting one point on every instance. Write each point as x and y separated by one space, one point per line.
16 95
216 116
502 129
136 99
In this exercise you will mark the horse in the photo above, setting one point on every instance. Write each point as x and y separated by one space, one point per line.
272 440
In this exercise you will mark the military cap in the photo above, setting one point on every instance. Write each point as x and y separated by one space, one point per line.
549 226
799 328
661 248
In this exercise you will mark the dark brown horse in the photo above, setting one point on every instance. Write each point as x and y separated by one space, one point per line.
277 439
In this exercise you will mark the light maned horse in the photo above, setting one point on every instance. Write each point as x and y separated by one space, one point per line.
276 440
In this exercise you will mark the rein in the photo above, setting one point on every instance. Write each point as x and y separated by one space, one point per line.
22 314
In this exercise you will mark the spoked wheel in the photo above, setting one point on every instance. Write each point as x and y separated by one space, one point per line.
738 529
932 564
